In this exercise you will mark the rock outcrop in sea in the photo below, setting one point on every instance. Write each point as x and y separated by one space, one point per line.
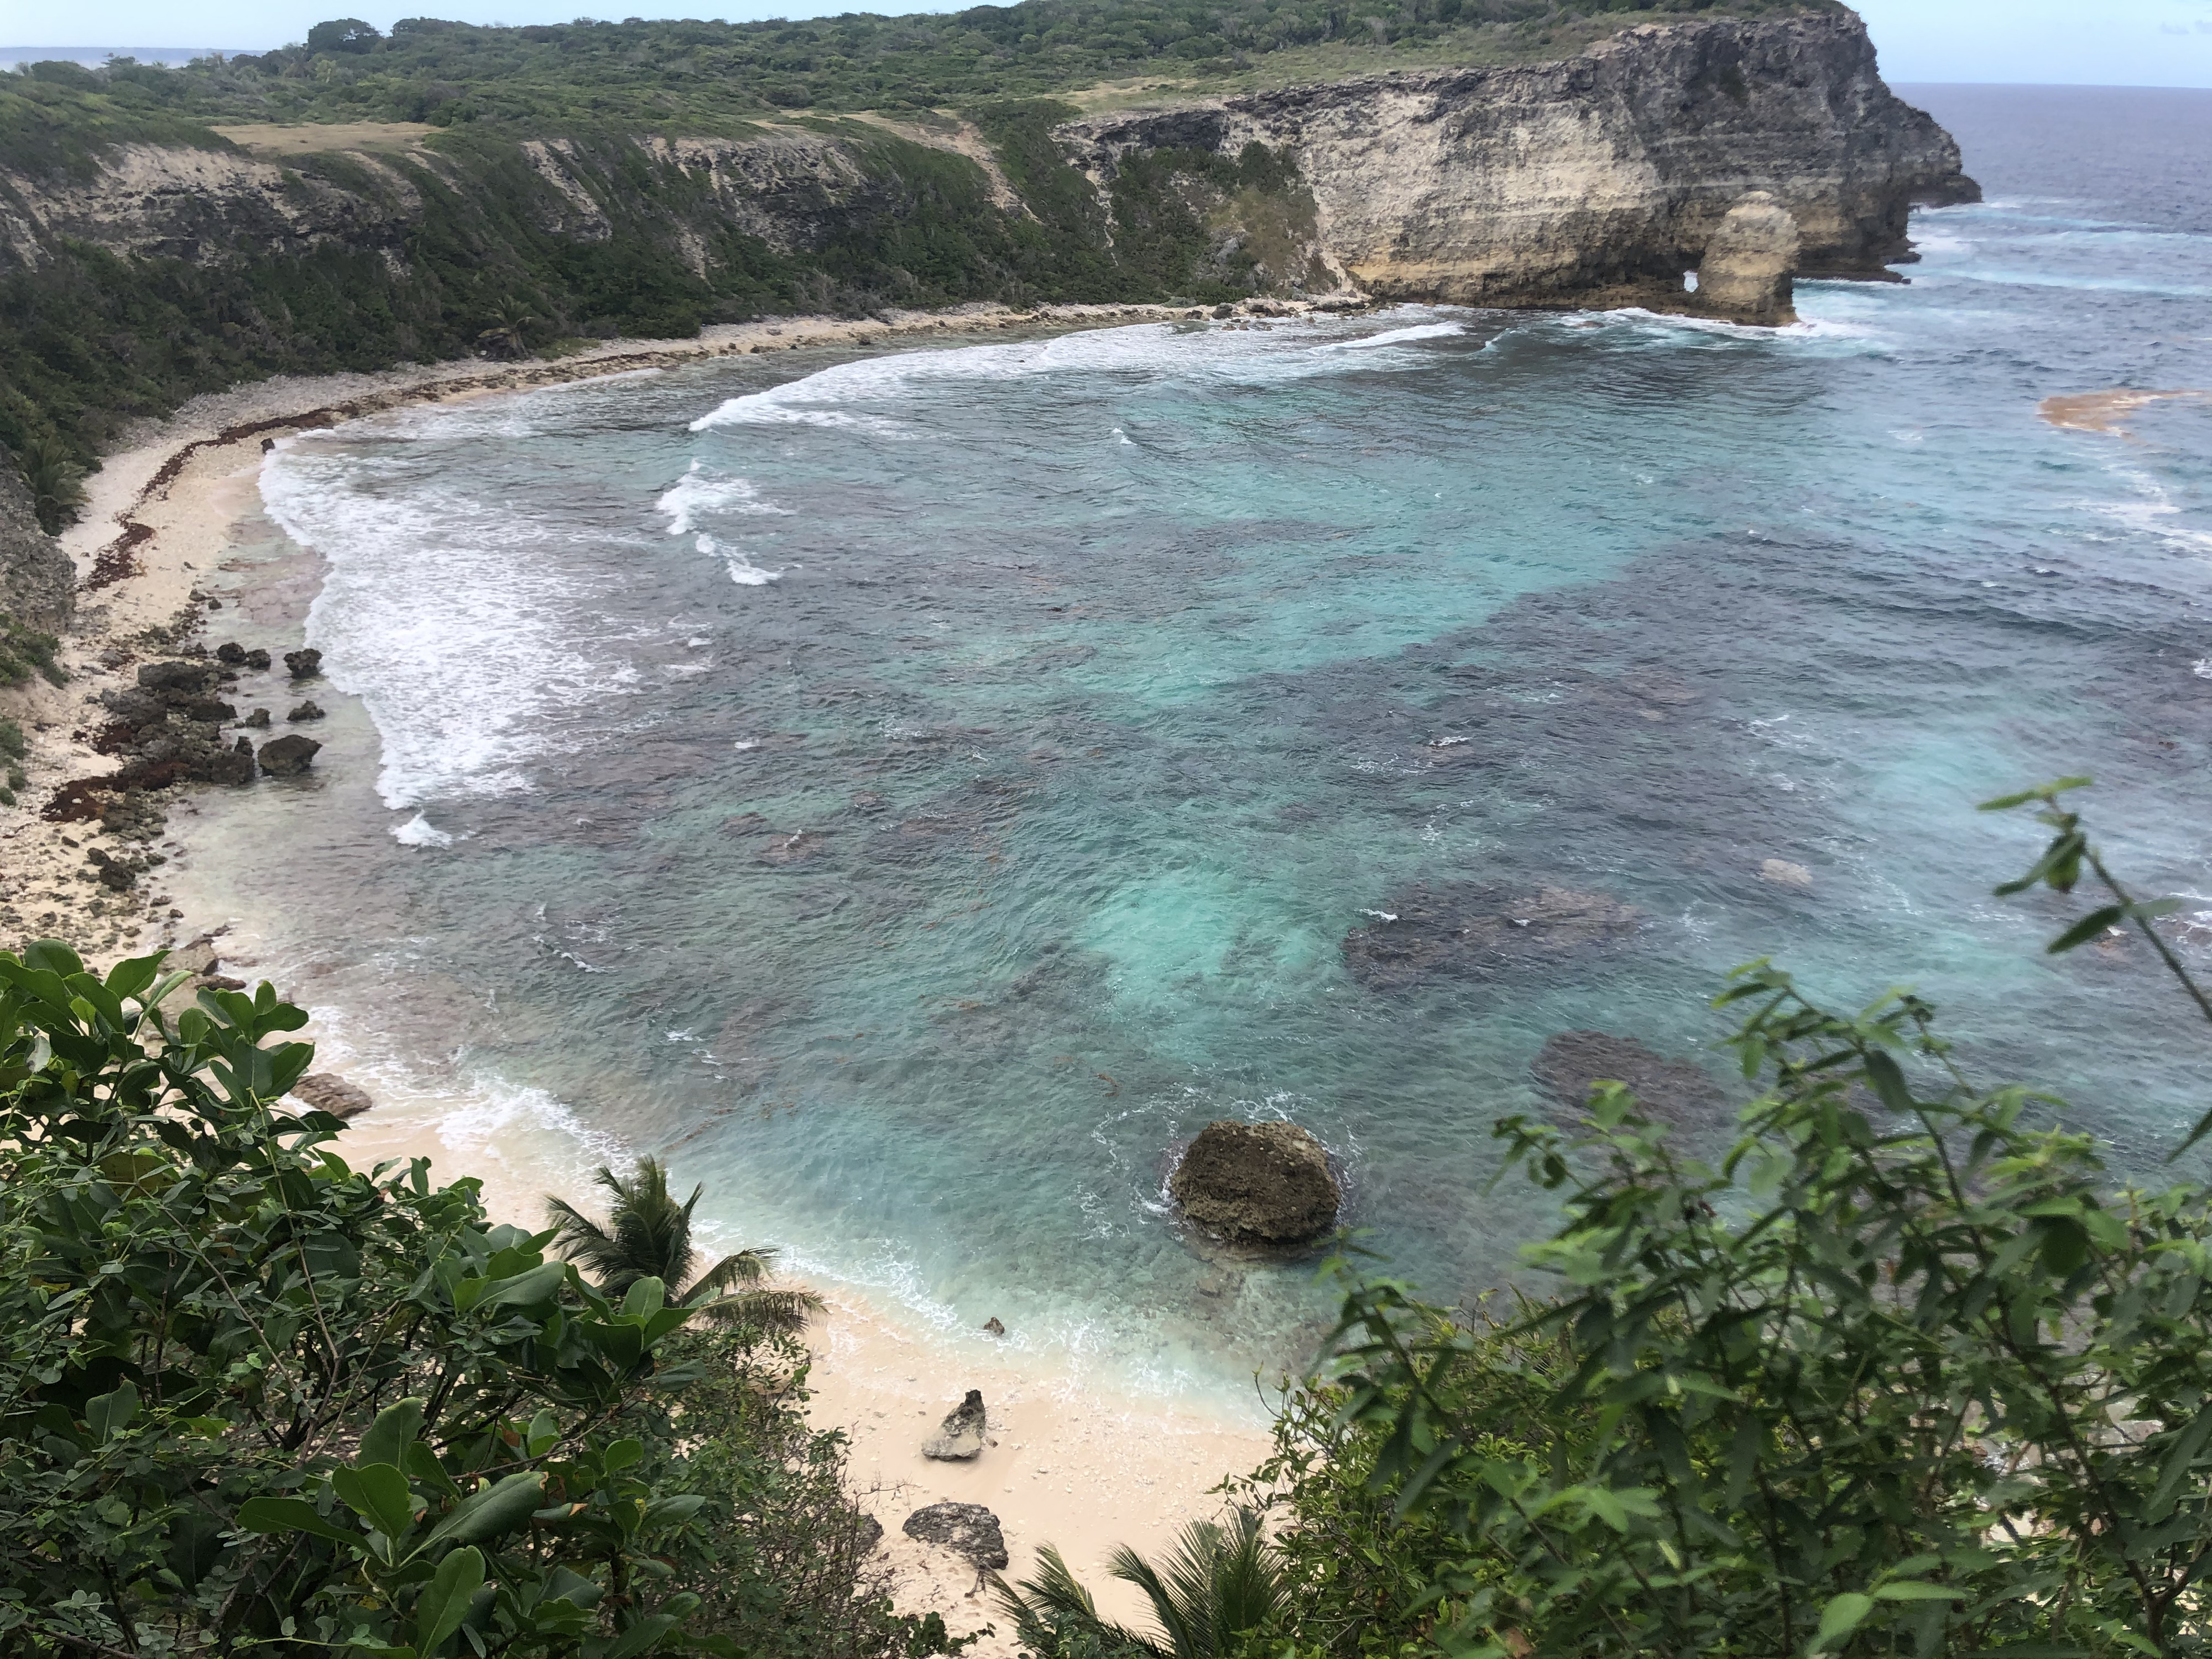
1257 1185
1676 1092
1745 274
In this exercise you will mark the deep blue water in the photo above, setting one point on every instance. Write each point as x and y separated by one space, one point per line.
912 790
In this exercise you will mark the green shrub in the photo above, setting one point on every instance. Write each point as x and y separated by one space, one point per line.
1904 1371
253 1400
25 650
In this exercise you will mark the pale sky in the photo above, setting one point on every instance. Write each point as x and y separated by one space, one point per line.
2166 43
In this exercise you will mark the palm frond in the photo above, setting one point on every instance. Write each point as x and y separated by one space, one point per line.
739 1267
778 1312
1218 1584
648 1234
1055 1601
579 1239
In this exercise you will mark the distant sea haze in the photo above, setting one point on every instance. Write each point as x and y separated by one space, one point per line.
914 792
93 57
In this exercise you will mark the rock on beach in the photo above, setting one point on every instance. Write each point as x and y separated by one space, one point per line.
960 1436
326 1092
968 1530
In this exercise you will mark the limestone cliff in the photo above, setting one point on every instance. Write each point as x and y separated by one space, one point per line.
1601 177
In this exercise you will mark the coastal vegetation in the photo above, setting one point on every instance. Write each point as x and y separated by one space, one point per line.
1896 1367
254 1399
689 75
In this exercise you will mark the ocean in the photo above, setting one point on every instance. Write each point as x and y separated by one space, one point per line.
914 790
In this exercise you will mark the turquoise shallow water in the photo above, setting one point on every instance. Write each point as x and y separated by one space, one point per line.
914 790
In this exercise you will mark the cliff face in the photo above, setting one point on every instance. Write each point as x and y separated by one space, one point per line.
1600 177
36 578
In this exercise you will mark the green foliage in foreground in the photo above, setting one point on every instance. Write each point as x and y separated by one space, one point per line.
254 1401
1901 1371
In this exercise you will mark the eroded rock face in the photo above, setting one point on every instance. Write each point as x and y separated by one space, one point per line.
968 1530
1264 1185
36 581
1600 177
1745 275
1670 1091
1473 928
960 1436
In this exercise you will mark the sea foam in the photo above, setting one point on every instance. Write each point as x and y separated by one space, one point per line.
700 493
454 617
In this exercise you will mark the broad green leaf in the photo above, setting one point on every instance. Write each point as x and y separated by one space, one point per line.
1844 1615
621 1455
527 1289
495 1509
293 1515
396 1428
2087 928
51 956
1887 1079
378 1494
639 1638
1911 1590
127 979
108 1414
2180 1459
445 1600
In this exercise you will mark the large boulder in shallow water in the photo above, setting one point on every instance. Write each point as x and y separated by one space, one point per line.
1470 928
1257 1184
960 1436
287 756
1669 1091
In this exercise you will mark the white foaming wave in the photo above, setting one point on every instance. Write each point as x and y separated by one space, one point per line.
465 642
1804 329
742 571
1397 337
699 491
419 831
1140 351
2151 512
2090 284
503 1114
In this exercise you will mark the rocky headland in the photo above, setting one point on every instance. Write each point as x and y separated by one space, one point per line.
1750 148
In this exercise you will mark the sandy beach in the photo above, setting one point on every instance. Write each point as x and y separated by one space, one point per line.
1071 1463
